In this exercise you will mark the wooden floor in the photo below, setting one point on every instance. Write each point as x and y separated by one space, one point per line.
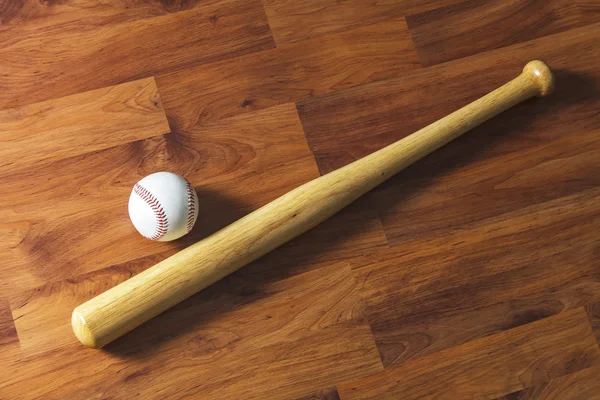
474 274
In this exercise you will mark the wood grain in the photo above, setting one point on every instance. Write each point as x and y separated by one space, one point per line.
349 234
508 189
481 257
50 305
447 33
593 311
346 125
19 17
293 20
81 123
231 164
9 341
486 288
513 173
324 394
524 356
582 384
264 324
290 72
37 67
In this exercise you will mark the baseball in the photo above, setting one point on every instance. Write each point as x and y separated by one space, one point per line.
163 206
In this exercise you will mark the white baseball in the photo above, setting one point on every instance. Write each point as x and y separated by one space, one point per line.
163 206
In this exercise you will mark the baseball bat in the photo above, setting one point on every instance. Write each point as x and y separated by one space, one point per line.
133 302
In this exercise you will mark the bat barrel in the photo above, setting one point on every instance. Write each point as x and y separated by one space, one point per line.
117 311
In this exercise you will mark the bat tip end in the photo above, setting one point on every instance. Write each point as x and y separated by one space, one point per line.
541 74
82 331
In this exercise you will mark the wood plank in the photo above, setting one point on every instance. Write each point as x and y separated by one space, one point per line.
435 294
489 367
294 20
346 125
583 384
27 16
81 123
42 315
290 72
448 33
276 328
451 202
39 67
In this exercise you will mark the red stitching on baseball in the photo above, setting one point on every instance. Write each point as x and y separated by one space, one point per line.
162 224
191 207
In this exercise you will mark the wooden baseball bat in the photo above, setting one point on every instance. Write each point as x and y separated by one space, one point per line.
133 302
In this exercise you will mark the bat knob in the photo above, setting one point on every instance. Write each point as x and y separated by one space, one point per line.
541 75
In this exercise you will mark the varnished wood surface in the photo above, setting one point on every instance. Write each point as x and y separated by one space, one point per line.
539 351
472 274
80 124
287 73
39 65
446 34
582 384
